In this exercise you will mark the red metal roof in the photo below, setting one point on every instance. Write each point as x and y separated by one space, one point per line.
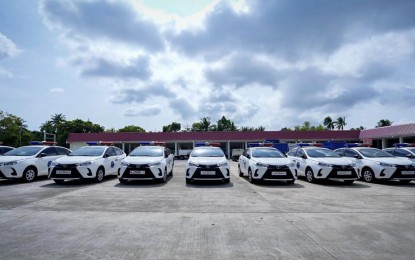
211 136
389 131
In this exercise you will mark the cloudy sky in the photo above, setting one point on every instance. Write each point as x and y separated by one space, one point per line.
151 62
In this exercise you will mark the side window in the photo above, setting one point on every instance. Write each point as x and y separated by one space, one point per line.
245 153
118 151
340 152
389 151
110 151
50 151
401 153
292 152
349 153
62 151
300 153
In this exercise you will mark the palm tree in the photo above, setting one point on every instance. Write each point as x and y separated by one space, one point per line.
384 122
328 123
57 120
341 123
205 124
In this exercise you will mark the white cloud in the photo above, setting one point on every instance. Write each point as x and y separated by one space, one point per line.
7 47
143 111
56 90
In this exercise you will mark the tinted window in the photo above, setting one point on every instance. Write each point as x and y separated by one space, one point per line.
110 151
24 151
207 152
147 151
267 153
62 151
340 152
373 153
401 153
350 153
389 151
292 152
51 151
322 152
88 151
300 153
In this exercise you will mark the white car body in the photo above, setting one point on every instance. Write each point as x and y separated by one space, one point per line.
258 167
384 166
147 163
83 164
28 162
332 167
214 166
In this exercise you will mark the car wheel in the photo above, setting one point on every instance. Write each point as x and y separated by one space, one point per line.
348 181
368 175
241 174
405 181
58 181
122 180
29 174
309 175
250 179
291 182
99 176
188 181
227 180
171 172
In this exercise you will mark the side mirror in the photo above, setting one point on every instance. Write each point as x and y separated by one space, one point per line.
42 155
357 156
248 156
106 155
304 156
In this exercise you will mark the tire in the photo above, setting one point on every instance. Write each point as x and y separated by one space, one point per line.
367 175
348 181
405 181
123 181
309 175
58 181
291 182
29 174
250 179
188 181
227 180
171 172
99 176
241 174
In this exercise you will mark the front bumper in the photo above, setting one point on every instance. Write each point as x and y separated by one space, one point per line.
275 173
337 172
207 172
71 172
140 172
7 172
402 172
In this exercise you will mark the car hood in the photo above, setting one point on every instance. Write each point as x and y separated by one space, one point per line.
207 160
76 159
273 161
13 158
141 159
336 161
392 160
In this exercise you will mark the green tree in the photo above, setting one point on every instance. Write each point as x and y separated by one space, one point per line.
173 127
286 129
13 130
341 123
328 123
132 128
384 122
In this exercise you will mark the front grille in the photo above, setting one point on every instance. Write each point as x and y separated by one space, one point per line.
66 167
400 169
140 167
336 168
206 167
279 168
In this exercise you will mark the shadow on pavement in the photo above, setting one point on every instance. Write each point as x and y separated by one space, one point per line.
273 184
340 184
146 184
75 183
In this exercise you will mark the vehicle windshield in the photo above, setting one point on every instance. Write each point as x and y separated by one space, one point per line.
24 151
147 151
88 151
412 150
321 152
207 152
267 153
374 153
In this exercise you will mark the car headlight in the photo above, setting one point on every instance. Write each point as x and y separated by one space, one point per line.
258 164
224 164
53 164
84 164
155 164
321 164
125 163
383 164
8 163
192 164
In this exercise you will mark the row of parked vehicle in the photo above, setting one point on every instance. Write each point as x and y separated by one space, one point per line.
260 162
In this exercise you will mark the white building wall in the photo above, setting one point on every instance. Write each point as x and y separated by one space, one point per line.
76 145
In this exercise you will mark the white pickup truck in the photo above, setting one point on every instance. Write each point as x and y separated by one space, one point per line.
236 153
182 154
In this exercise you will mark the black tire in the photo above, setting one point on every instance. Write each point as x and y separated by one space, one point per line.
188 181
367 175
29 174
309 175
348 181
122 180
227 180
241 174
99 175
171 172
291 182
405 181
250 178
58 181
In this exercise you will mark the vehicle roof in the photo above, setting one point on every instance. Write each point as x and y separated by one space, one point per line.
6 146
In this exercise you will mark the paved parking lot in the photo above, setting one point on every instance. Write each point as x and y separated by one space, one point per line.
78 220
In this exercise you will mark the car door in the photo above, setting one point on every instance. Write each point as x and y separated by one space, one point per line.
244 161
355 157
300 161
120 155
44 159
110 161
169 160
